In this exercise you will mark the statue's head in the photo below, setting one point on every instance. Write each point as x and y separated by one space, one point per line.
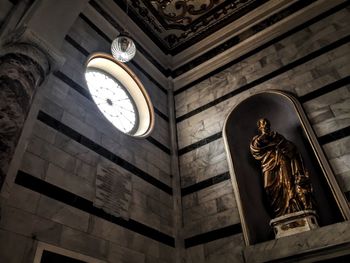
264 125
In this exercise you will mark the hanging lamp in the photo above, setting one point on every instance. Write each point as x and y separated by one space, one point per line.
123 47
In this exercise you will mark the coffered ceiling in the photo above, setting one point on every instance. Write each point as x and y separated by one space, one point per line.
175 25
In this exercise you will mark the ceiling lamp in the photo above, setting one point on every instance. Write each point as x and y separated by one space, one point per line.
123 48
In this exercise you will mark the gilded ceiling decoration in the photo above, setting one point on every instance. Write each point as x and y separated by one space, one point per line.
176 24
179 14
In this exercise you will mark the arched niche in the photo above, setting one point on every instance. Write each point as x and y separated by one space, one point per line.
287 118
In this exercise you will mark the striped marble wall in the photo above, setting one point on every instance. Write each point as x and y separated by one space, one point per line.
312 61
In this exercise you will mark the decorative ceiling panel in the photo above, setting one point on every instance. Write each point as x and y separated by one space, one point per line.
177 24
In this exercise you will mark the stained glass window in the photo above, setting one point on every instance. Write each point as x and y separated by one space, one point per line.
112 99
119 95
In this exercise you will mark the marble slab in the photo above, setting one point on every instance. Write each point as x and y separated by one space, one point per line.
113 191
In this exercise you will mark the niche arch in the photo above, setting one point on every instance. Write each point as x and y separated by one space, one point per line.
287 118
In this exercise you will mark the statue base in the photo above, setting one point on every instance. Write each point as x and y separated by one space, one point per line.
294 223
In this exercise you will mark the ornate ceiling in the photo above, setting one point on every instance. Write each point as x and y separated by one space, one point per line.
176 24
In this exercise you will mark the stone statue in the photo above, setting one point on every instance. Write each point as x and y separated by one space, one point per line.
286 182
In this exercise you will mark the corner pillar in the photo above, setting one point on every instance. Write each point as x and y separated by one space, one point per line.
24 65
27 56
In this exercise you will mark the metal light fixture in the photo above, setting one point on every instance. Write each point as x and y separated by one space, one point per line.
123 47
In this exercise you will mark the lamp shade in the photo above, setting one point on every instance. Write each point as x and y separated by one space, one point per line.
123 48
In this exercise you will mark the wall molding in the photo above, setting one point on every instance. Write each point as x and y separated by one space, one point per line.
212 29
240 37
317 11
281 12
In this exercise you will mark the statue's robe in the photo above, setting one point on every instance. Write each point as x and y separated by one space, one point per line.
281 165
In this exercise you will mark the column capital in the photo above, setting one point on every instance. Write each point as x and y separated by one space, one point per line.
24 41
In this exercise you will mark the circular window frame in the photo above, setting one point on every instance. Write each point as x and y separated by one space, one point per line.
126 78
132 102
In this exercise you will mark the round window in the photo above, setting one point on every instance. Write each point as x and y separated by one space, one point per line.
119 95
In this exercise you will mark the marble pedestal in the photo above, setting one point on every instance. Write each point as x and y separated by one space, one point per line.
327 242
294 223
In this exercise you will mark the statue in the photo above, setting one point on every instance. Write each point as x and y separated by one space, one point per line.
286 182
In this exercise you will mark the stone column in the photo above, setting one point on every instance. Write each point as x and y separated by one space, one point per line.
176 182
24 65
27 56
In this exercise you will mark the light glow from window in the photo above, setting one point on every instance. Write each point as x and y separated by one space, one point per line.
112 99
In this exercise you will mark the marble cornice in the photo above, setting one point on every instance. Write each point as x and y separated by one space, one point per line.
201 60
254 42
